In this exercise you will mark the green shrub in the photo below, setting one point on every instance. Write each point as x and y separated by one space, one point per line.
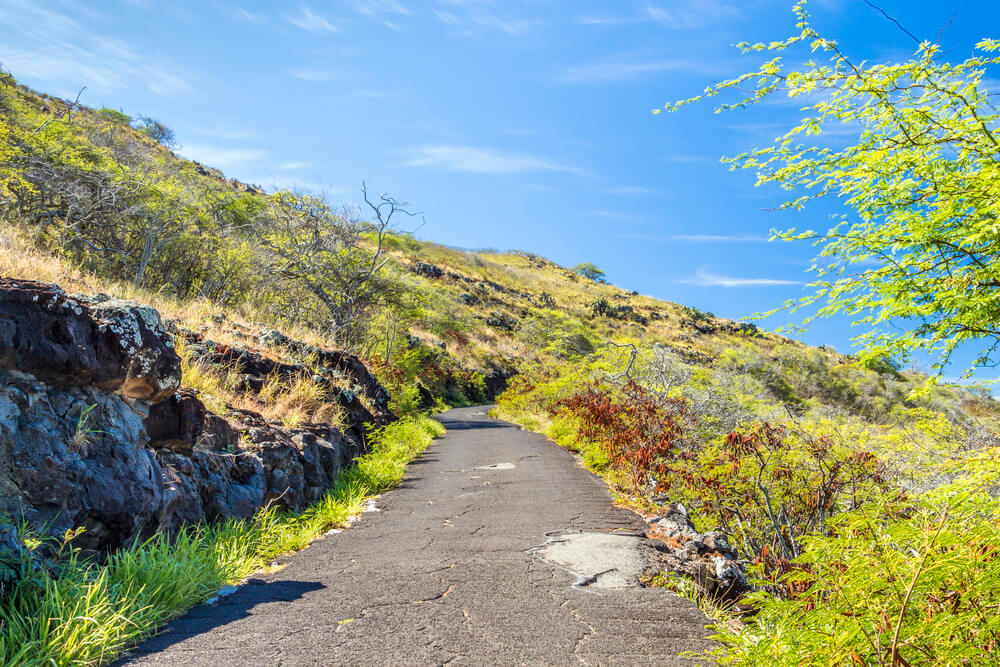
115 116
892 584
595 458
696 315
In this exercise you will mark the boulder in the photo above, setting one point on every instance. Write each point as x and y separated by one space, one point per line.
229 467
176 422
75 457
113 345
10 542
496 381
706 558
298 464
427 270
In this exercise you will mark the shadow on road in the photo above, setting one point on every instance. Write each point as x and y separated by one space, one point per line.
455 425
204 618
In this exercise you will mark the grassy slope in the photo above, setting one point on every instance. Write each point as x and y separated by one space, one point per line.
541 331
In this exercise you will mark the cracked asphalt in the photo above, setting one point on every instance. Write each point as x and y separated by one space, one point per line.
449 572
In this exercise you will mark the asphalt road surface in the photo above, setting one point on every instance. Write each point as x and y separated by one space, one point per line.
497 549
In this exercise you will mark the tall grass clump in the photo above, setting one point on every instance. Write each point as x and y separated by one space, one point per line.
62 609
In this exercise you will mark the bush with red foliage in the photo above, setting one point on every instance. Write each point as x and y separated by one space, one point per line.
636 430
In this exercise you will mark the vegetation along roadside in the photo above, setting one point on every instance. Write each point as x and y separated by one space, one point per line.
59 608
859 494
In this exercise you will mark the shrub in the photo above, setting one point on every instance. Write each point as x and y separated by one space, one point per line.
893 583
115 116
884 365
591 272
696 315
634 430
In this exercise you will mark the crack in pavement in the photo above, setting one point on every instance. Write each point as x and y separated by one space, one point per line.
416 592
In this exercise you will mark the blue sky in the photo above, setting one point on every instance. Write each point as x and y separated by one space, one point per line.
508 123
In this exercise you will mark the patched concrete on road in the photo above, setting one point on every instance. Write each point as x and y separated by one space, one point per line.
497 466
599 560
529 564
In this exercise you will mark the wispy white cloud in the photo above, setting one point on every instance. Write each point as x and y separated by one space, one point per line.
379 7
309 20
294 165
447 17
675 14
605 19
382 11
479 160
162 81
626 70
630 190
706 278
470 17
689 14
225 131
245 15
332 193
313 75
68 50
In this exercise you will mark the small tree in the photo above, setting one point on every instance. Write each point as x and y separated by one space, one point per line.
155 130
917 260
590 271
337 257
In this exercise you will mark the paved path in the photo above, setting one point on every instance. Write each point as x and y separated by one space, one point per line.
447 573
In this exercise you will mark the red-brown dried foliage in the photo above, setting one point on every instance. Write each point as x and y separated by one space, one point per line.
638 432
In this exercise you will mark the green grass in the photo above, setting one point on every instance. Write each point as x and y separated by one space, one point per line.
78 613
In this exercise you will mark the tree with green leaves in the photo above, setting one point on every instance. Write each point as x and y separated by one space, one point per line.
155 130
13 139
917 257
336 257
590 271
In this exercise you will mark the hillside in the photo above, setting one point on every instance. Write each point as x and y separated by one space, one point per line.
189 239
293 327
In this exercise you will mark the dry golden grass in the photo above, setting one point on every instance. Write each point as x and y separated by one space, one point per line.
290 401
19 258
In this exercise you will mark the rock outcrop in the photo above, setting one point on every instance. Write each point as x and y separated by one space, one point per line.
96 433
327 367
705 558
74 456
113 345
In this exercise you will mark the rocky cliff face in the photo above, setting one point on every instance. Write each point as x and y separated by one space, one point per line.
95 431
